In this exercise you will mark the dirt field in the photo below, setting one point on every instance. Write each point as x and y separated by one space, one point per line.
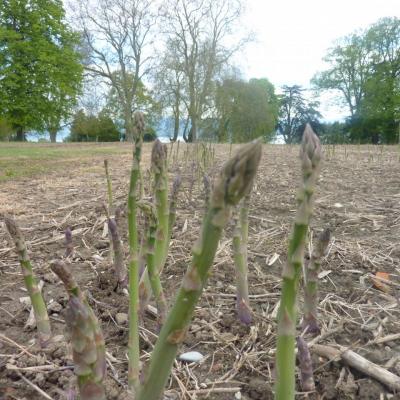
358 197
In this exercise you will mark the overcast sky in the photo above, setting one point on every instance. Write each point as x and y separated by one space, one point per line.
293 36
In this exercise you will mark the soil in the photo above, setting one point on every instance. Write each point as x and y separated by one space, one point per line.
358 198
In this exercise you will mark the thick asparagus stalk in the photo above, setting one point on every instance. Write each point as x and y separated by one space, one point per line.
310 322
234 182
38 304
133 340
310 155
153 273
88 349
119 264
240 239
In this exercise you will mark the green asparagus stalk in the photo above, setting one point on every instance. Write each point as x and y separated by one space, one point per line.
109 188
88 349
240 239
207 189
234 183
38 304
172 208
133 340
310 321
159 167
310 155
153 273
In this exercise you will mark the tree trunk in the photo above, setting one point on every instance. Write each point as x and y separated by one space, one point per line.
21 137
176 126
53 136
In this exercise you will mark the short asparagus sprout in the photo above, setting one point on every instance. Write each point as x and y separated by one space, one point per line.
119 263
310 156
310 320
69 247
240 240
88 349
234 182
38 304
305 364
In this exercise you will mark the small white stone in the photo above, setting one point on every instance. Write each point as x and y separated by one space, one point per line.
338 205
238 395
121 318
191 356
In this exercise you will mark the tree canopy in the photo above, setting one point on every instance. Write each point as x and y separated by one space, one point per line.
39 66
365 70
295 111
246 110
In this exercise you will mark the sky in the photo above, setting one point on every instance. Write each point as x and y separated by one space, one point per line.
293 36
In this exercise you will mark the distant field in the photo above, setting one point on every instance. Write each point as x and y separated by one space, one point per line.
27 159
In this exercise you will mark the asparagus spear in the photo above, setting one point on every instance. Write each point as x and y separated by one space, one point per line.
310 322
38 304
159 167
240 239
153 273
305 363
310 155
119 264
133 340
109 187
88 349
69 247
172 207
234 183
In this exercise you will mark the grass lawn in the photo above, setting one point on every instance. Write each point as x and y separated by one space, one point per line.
18 160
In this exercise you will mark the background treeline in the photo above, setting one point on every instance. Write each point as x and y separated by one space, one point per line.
174 61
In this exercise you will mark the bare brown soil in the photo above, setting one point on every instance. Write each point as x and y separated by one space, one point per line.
358 197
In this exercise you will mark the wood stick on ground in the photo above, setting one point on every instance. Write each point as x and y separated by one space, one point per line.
360 363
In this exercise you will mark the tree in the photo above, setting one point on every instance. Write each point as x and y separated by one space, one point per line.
117 34
295 112
144 101
39 65
348 72
365 68
92 128
380 109
197 35
169 87
246 110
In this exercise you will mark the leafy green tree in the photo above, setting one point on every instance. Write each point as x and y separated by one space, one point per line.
92 128
39 65
6 130
365 69
295 112
246 110
348 73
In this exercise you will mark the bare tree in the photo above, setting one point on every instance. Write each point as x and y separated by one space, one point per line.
118 36
198 33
